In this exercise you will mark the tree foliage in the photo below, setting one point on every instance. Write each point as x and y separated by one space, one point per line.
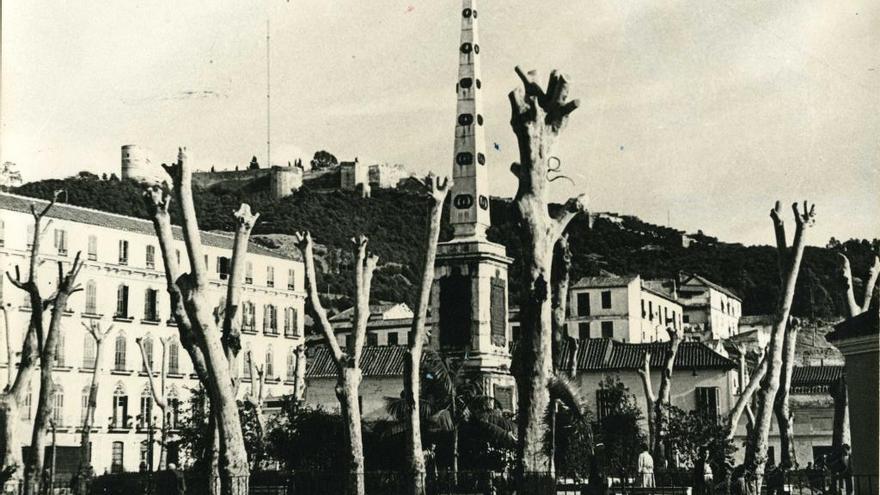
617 430
396 221
691 431
323 159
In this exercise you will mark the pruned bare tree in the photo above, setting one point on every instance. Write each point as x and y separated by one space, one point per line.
746 394
160 398
299 379
789 264
13 397
537 118
438 189
213 350
88 421
347 361
658 405
255 396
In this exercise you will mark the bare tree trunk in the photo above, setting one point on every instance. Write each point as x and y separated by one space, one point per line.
299 383
650 398
11 403
746 394
347 362
10 352
255 399
158 393
559 301
85 470
782 407
197 326
870 283
537 118
412 377
840 433
658 406
789 268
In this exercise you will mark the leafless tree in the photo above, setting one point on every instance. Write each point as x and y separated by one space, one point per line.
789 263
16 391
212 350
658 405
743 403
160 398
299 379
255 396
538 116
347 361
438 189
88 421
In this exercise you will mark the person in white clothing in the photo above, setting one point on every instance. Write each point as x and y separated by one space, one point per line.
646 467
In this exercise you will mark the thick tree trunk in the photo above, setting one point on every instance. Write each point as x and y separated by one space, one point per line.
789 267
347 392
782 408
412 369
158 393
559 301
650 399
85 470
745 398
840 432
537 118
299 382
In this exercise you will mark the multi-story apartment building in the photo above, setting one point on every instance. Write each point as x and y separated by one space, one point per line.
711 312
124 285
622 308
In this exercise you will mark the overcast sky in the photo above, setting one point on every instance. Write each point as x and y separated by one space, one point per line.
701 112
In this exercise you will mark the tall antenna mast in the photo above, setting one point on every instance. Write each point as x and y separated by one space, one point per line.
268 103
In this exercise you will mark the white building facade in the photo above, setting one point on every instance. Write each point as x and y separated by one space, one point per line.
622 308
710 310
124 286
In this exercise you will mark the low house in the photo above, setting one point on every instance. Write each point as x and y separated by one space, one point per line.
389 324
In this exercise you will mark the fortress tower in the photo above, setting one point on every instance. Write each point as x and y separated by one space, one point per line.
136 165
470 286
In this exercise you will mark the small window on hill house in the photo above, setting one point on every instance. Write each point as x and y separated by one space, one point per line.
583 304
270 276
608 329
606 299
223 267
583 331
392 338
707 402
372 339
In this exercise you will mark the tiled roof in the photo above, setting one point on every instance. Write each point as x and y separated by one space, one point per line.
708 283
756 320
607 354
603 282
375 310
88 216
863 325
376 361
807 376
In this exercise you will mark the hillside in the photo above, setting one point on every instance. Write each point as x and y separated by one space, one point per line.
396 223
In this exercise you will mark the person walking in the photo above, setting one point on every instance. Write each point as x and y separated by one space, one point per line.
646 467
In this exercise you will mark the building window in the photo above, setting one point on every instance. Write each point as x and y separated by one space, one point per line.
603 404
372 339
90 349
145 419
58 405
270 320
122 301
651 310
392 338
248 320
291 365
644 313
123 252
148 354
583 304
223 267
116 457
608 329
270 276
246 365
584 331
606 299
498 311
291 279
93 248
249 273
289 322
707 403
270 364
84 405
61 242
151 256
91 297
174 413
119 354
59 350
151 306
173 358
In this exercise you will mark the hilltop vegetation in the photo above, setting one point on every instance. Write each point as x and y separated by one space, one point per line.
396 224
